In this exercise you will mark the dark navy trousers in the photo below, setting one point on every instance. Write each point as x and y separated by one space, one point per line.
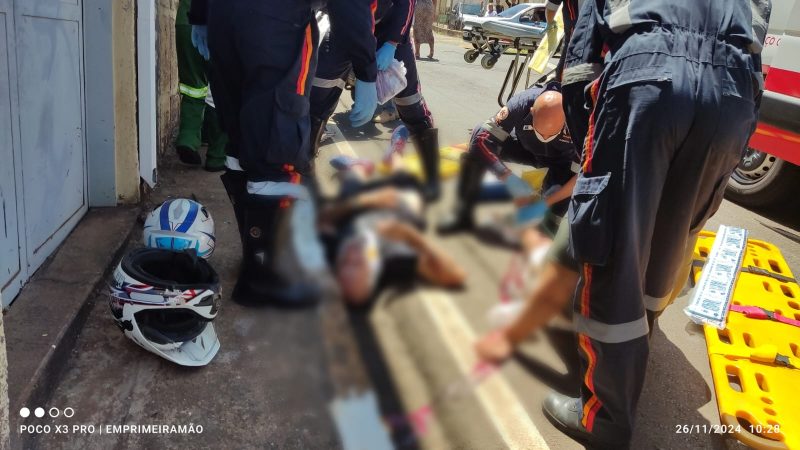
333 70
264 62
664 134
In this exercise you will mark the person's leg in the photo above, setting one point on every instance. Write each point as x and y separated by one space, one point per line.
416 48
193 88
329 82
414 113
550 296
217 140
612 216
713 148
265 65
485 146
430 55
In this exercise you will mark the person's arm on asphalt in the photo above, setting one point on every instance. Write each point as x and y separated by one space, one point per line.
551 294
549 298
434 264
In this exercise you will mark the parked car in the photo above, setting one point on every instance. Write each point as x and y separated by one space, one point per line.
769 173
523 11
460 12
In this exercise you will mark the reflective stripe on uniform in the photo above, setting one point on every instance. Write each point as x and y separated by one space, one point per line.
656 304
193 92
611 333
328 84
620 18
592 406
408 101
305 63
232 163
278 189
588 143
581 72
495 130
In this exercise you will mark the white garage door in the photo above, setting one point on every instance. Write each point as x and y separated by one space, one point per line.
41 91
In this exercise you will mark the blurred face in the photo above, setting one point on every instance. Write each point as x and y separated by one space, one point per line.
355 271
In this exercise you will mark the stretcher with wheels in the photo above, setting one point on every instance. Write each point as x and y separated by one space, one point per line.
755 358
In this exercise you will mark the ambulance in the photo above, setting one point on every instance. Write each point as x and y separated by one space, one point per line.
769 173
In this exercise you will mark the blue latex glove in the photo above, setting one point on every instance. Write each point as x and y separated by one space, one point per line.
532 213
366 100
385 55
517 187
200 40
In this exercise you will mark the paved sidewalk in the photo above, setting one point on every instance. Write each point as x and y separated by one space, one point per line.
44 321
271 384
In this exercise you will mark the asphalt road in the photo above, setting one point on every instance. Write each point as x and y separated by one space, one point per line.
426 349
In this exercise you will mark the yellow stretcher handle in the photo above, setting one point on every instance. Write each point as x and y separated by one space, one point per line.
547 46
767 354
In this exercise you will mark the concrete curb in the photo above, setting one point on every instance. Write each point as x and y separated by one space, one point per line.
45 320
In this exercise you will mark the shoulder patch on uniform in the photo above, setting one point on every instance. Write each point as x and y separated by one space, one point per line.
501 115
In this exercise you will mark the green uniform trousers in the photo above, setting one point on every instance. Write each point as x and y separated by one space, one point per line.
198 120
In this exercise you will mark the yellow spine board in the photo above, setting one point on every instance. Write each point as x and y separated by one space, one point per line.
760 399
548 45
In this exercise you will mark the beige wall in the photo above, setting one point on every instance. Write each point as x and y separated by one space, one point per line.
125 129
125 91
167 75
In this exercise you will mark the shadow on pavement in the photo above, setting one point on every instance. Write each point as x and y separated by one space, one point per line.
565 345
673 394
787 216
367 132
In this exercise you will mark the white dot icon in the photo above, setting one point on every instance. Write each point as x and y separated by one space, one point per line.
38 412
24 412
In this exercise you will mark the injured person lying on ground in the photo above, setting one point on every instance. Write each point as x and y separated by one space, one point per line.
373 233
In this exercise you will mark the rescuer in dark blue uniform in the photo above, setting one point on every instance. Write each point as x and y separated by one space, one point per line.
393 20
513 135
673 89
263 60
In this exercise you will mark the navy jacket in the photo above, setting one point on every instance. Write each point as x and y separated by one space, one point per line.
352 20
611 30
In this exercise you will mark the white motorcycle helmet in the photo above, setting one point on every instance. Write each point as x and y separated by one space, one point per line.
180 224
165 302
